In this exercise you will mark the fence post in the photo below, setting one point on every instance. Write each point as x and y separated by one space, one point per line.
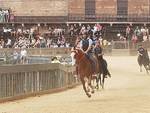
25 83
38 82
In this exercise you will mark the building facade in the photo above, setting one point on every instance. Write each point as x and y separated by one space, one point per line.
78 10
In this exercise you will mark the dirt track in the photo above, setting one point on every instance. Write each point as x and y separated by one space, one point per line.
128 91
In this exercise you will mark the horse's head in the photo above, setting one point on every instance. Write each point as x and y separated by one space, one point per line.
76 55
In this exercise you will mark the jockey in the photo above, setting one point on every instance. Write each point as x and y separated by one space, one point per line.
141 50
86 44
99 54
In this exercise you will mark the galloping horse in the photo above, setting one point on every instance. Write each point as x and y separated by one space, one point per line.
144 60
84 68
103 73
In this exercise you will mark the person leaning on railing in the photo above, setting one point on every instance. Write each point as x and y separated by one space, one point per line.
55 60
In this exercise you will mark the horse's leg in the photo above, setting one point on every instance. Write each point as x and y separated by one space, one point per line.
146 69
86 84
83 83
103 82
149 66
101 79
94 81
90 85
140 68
97 82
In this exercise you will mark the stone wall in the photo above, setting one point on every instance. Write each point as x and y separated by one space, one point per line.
76 7
36 7
106 7
138 7
65 7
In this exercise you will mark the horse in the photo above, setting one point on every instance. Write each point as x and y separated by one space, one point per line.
144 60
84 68
103 73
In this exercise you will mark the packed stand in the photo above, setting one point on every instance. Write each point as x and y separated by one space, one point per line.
32 38
52 36
137 35
95 32
6 15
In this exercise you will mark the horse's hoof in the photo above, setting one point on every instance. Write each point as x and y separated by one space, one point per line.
92 92
89 95
97 88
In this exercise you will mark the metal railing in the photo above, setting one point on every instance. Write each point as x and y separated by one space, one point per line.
120 44
24 80
39 51
82 18
129 44
109 18
40 19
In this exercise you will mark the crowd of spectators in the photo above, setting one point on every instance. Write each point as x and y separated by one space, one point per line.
94 31
6 15
137 34
53 36
132 36
32 38
57 36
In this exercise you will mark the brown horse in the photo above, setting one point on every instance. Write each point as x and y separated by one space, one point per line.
84 68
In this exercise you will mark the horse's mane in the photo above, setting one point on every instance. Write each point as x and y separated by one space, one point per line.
82 60
80 53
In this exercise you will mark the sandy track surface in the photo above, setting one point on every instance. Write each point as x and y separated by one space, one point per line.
128 91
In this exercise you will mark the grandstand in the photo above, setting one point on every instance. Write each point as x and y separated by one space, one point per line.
62 11
113 15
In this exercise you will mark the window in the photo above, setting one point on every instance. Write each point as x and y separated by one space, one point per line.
89 7
122 9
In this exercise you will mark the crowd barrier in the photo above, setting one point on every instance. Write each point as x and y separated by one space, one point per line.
127 47
66 51
39 51
129 44
20 81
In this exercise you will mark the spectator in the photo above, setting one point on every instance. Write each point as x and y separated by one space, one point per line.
16 57
55 60
23 56
4 15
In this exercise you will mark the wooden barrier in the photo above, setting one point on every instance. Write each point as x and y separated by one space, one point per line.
20 81
39 51
66 51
